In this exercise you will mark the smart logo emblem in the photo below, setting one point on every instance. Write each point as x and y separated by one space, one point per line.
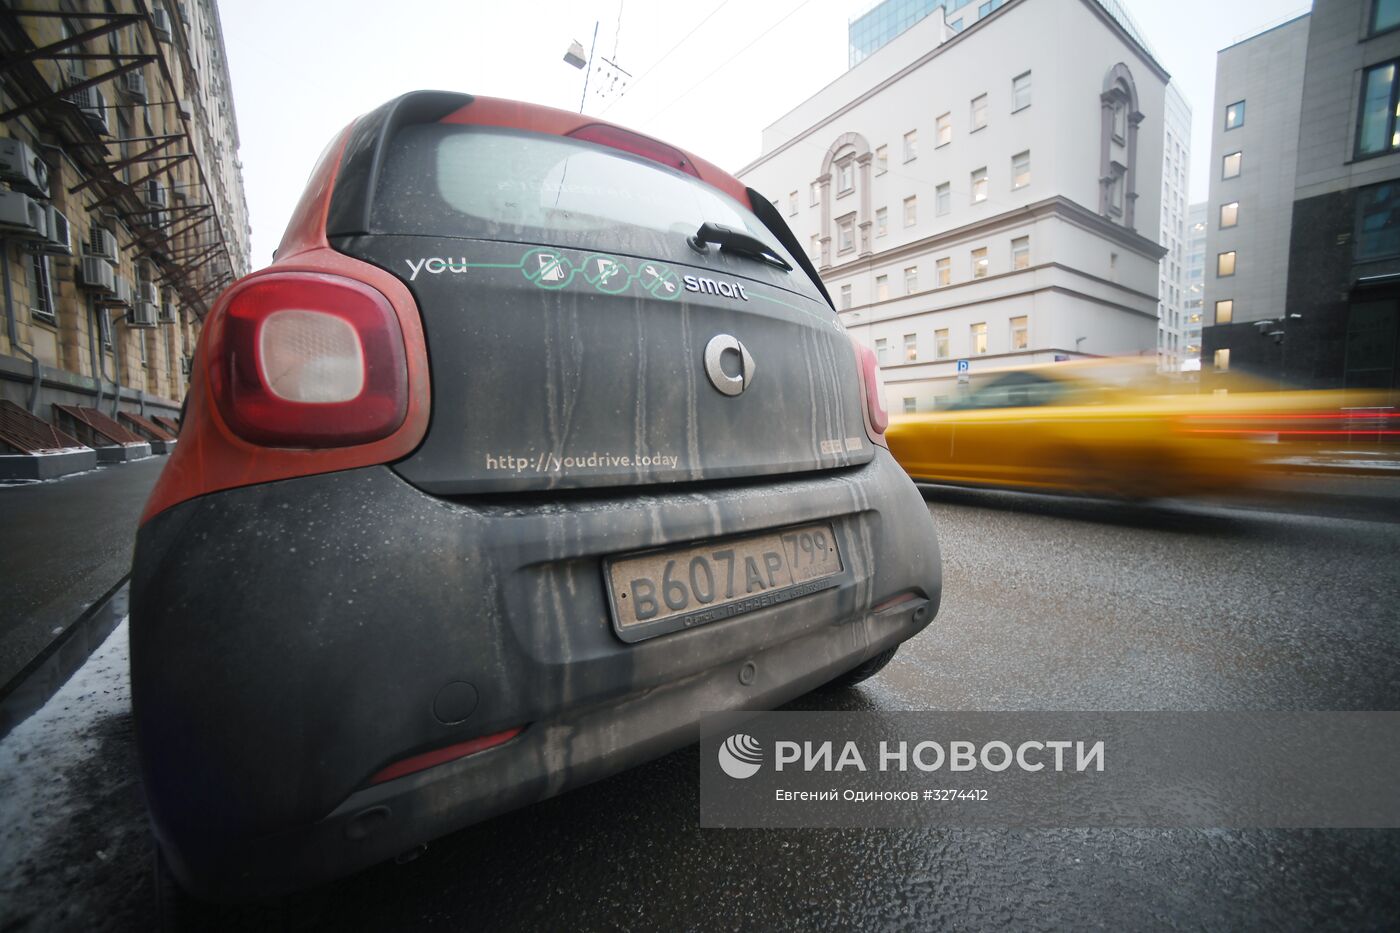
740 756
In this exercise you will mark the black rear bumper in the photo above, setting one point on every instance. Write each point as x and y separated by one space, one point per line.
292 639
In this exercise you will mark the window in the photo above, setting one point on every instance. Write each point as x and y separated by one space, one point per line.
882 287
911 211
882 221
1377 132
882 159
945 129
943 199
1229 214
944 267
845 177
1225 264
940 343
1378 222
979 112
846 234
1020 92
104 327
1021 252
1234 115
40 280
911 279
911 145
1385 15
814 195
979 263
910 406
1224 311
1120 121
1020 170
1222 360
882 351
792 204
1230 165
911 347
1116 183
979 338
1020 332
845 297
979 186
815 249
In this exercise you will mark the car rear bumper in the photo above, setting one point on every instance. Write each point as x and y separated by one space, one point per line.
291 640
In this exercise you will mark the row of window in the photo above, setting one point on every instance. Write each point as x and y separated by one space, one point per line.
1020 339
942 203
943 135
943 271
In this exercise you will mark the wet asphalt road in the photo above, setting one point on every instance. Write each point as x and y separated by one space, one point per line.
1049 604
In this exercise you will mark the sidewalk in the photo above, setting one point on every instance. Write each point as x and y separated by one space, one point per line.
67 542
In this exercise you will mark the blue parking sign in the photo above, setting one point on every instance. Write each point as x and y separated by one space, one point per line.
962 366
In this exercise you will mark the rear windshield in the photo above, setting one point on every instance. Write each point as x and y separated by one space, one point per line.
444 180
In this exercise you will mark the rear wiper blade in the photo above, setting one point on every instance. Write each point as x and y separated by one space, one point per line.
735 241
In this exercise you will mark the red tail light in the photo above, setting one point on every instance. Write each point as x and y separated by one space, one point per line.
872 390
306 359
637 144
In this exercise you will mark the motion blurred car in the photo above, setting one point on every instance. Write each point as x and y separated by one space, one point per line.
538 438
1099 427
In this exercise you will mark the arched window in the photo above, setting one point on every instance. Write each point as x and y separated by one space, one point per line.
1118 146
845 226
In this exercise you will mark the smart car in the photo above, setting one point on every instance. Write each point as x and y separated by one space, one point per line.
539 438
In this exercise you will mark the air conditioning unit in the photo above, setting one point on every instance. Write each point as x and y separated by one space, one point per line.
134 83
160 19
186 365
167 314
60 234
96 272
23 169
186 107
148 293
121 290
93 105
155 193
142 314
19 212
102 243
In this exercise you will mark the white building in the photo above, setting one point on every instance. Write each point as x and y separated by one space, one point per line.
1171 280
987 195
1195 288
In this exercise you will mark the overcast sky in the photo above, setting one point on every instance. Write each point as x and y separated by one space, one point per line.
708 75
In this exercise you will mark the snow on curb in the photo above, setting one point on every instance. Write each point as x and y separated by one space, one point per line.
42 762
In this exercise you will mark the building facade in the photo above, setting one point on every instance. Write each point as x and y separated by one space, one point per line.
1171 279
1324 310
980 196
1195 287
1253 154
122 213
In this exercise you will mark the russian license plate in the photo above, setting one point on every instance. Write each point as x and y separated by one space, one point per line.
662 591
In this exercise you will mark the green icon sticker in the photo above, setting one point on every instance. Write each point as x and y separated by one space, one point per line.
546 268
660 281
607 274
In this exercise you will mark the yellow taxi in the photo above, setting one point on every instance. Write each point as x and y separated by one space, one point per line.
1101 427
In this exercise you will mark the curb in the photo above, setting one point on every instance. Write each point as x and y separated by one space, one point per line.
41 678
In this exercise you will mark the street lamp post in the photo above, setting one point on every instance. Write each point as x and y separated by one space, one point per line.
574 56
